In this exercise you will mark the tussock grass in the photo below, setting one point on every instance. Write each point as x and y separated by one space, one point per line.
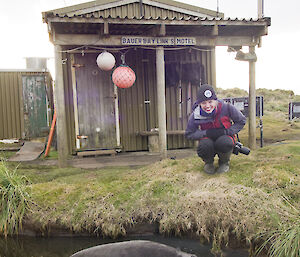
14 202
285 240
175 194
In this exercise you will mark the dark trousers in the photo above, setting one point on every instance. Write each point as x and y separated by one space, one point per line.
207 148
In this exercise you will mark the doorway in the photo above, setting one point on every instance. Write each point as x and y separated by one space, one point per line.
95 114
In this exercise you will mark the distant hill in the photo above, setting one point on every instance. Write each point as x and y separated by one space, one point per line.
274 100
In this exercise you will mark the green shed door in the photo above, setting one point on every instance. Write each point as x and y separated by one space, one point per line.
95 104
35 106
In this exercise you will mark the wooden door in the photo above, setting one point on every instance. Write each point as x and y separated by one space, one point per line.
95 104
35 106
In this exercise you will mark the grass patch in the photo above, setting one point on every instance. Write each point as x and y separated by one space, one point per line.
283 241
15 200
52 155
174 193
5 155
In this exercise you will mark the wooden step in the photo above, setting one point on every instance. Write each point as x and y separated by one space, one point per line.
111 152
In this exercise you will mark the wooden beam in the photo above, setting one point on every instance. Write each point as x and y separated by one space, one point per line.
97 152
94 39
162 30
213 68
105 28
76 121
252 102
169 132
215 30
161 101
117 118
61 124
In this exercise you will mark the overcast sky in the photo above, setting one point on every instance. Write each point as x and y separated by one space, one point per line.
24 35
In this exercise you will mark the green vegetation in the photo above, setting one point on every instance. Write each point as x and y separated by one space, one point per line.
284 241
53 154
229 209
15 199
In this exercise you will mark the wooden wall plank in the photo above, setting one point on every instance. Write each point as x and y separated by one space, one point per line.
133 110
9 106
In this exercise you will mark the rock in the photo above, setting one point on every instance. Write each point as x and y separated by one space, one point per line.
134 248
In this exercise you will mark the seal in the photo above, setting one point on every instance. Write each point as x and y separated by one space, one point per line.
134 248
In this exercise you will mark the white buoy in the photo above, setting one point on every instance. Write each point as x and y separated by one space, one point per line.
106 61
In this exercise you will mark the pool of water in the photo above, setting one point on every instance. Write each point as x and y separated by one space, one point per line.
66 246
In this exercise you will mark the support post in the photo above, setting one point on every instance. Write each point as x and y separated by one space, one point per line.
161 101
213 66
252 101
61 125
116 102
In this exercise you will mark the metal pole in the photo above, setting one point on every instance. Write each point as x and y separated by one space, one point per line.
61 124
261 121
260 9
252 102
161 101
290 110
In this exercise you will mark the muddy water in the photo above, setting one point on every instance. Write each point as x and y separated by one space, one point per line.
66 246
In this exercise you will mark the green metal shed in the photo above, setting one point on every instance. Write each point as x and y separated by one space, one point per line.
26 104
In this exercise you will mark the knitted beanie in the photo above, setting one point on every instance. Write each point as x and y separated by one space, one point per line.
205 93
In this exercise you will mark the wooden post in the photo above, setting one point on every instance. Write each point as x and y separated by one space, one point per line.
76 121
61 126
252 101
116 102
213 67
161 101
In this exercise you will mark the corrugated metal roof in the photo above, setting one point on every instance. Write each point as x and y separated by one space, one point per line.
166 18
142 17
133 9
130 10
175 26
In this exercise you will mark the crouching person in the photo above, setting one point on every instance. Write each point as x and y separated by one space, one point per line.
214 123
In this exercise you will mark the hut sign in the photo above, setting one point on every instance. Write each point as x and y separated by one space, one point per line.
155 41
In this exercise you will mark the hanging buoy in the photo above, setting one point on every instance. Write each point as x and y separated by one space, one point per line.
106 61
123 77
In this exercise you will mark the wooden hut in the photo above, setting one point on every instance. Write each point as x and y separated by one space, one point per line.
171 48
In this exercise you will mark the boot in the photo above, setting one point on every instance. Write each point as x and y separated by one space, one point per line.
209 167
223 162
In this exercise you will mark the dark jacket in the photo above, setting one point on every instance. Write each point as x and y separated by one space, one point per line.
226 116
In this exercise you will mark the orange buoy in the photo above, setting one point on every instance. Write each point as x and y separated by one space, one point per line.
123 77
